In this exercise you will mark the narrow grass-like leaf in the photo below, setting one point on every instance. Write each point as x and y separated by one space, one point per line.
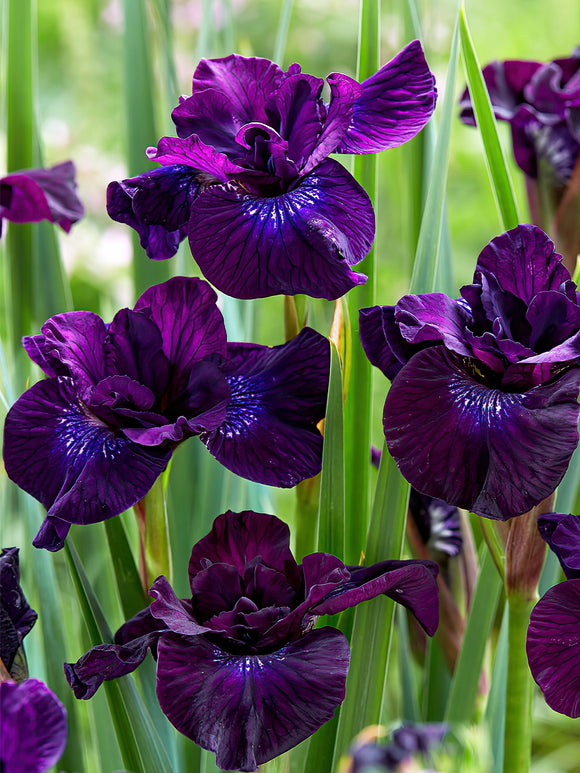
331 506
129 589
411 711
497 168
425 267
282 32
138 739
495 710
437 683
461 702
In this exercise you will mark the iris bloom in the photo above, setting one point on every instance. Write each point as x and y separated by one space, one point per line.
91 439
31 195
407 742
249 181
482 412
553 643
541 102
33 728
241 670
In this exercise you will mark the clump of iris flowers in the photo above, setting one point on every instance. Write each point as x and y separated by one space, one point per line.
483 411
33 721
249 181
90 440
241 669
553 641
31 195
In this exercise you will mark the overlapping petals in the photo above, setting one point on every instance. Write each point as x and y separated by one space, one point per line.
91 439
249 181
31 195
562 533
16 616
483 410
541 102
239 669
34 727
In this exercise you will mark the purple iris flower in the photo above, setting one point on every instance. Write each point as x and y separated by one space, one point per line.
91 439
241 670
406 742
249 181
483 411
34 728
541 102
31 195
16 616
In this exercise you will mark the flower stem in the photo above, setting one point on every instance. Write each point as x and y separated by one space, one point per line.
154 542
518 718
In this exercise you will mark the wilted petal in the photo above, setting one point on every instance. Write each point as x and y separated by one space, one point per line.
562 533
454 438
553 647
395 104
74 464
249 709
34 728
301 241
410 583
278 397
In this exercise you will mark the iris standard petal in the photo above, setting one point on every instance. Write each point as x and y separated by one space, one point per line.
410 583
176 614
192 152
34 727
553 647
394 105
75 339
278 397
301 241
74 464
432 318
384 346
562 533
249 709
474 446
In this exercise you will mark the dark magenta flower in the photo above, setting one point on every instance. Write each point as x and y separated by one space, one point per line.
407 741
241 670
249 181
91 439
541 102
562 533
31 195
16 616
482 412
34 729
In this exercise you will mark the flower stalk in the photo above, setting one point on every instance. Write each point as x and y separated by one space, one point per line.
154 541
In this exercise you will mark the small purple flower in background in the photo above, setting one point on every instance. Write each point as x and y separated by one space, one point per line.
240 668
406 742
553 643
91 439
249 181
483 411
541 102
31 195
33 727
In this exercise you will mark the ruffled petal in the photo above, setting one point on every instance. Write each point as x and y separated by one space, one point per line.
553 647
278 397
176 614
298 106
381 339
75 339
496 453
394 105
562 533
34 727
302 241
433 318
192 152
410 583
249 709
79 469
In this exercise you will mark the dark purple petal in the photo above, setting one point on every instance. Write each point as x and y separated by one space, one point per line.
438 523
209 115
176 614
394 105
79 469
555 322
410 583
553 647
524 262
134 349
278 398
239 538
39 194
384 346
16 616
249 709
302 241
562 533
192 152
34 728
505 83
298 105
433 318
215 589
457 439
39 351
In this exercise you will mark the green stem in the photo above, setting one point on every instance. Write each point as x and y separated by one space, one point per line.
154 541
518 718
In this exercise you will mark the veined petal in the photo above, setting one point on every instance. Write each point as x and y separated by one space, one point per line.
249 709
79 469
174 613
433 317
562 533
75 339
302 241
474 446
394 105
192 152
278 398
298 105
553 647
381 338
